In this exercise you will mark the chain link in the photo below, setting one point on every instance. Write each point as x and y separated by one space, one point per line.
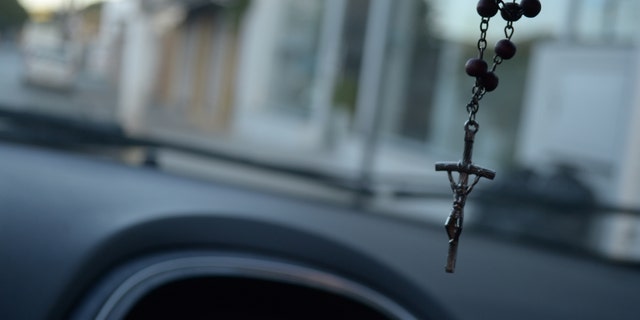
474 105
508 30
496 62
482 42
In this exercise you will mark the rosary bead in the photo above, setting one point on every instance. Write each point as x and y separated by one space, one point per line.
505 49
530 8
487 8
489 81
476 67
511 11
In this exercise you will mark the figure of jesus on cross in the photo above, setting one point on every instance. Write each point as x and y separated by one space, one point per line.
461 189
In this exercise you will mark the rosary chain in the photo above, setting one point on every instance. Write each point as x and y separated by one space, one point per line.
485 81
478 90
482 42
508 33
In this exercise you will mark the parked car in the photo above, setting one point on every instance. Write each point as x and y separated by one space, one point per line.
50 60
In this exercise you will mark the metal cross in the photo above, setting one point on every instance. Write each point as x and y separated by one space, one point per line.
461 189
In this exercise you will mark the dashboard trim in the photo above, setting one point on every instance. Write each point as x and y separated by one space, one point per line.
146 279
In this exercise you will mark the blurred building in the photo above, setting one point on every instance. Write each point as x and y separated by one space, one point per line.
582 109
326 77
196 78
307 75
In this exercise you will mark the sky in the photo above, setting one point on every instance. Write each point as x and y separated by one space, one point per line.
43 5
458 19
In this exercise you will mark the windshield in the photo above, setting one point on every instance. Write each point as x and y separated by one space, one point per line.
368 95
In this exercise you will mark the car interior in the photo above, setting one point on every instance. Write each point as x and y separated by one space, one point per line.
319 159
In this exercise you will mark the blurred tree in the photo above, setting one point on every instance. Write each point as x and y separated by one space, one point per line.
12 15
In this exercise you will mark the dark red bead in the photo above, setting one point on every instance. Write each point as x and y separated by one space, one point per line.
505 49
530 8
511 11
487 8
489 81
476 67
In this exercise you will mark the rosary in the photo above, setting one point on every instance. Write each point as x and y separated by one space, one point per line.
486 81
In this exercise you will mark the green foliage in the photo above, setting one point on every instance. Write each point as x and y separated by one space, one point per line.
345 93
12 15
237 9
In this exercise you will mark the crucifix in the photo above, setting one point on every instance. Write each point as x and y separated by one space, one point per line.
461 189
486 80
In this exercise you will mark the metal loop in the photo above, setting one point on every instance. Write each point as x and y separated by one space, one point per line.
478 92
471 126
496 62
484 25
482 44
472 108
481 93
508 30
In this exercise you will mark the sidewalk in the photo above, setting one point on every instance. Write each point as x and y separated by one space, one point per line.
162 126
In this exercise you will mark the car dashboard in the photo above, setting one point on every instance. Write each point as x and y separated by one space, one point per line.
92 239
87 238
